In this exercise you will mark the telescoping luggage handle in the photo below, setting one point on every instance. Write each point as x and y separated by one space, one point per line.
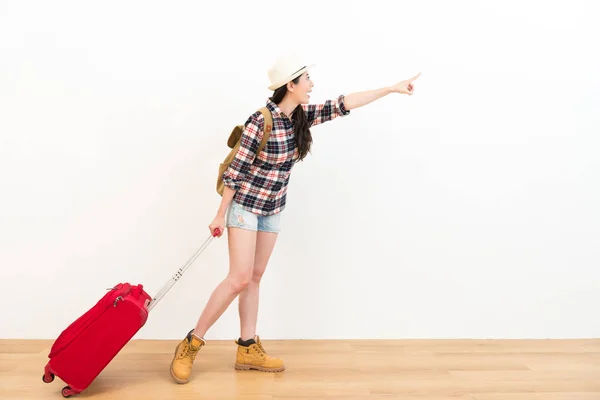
181 270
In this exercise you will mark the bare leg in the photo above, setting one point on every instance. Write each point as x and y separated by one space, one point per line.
248 300
242 244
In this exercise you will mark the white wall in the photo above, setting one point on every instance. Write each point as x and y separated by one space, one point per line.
467 210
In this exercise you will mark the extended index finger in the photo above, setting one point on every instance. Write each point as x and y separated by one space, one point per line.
415 77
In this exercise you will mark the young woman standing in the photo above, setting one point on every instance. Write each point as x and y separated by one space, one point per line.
253 199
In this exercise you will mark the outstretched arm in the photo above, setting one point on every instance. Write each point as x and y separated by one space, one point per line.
359 99
331 109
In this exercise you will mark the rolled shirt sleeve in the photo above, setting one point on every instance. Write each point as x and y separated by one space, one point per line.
329 110
244 157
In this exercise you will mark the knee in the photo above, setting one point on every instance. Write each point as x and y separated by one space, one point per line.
238 282
257 276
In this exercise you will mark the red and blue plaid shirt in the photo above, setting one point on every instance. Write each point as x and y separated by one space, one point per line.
261 180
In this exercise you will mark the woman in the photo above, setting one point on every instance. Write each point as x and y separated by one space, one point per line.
252 202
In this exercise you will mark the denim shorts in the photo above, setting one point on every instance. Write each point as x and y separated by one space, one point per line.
238 217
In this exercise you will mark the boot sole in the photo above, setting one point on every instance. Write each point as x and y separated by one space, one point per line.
246 367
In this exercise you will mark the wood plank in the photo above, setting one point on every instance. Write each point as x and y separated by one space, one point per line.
539 396
336 369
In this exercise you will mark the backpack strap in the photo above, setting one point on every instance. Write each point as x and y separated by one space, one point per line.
268 126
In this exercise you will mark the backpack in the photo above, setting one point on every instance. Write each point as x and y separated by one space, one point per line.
234 143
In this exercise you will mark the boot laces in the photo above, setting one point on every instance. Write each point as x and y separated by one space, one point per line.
190 351
259 344
261 347
261 351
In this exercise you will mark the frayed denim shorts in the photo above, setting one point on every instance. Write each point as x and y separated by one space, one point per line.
238 217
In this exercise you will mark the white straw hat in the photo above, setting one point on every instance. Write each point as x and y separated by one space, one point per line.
286 69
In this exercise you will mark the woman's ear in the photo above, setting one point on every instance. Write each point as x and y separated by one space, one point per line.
290 86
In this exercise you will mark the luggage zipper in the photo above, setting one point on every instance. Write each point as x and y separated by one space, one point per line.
124 292
117 300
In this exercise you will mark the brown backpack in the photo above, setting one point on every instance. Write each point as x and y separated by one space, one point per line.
234 143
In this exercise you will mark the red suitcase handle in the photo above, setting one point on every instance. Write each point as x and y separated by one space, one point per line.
137 291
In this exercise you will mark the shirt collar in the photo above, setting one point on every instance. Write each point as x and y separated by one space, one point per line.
275 110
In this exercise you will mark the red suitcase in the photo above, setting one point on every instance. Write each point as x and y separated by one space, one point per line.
89 344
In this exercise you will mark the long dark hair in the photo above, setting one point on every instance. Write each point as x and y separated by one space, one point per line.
302 134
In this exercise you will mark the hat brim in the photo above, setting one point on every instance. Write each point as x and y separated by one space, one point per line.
290 78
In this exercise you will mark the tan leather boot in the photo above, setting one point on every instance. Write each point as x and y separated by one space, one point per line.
183 359
255 357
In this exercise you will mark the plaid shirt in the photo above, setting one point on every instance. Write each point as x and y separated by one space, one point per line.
261 181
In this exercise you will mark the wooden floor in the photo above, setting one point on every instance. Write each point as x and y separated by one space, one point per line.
342 370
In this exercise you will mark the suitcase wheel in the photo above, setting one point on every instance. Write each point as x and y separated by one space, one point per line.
47 378
68 392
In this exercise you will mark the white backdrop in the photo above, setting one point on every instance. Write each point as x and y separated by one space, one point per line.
467 210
